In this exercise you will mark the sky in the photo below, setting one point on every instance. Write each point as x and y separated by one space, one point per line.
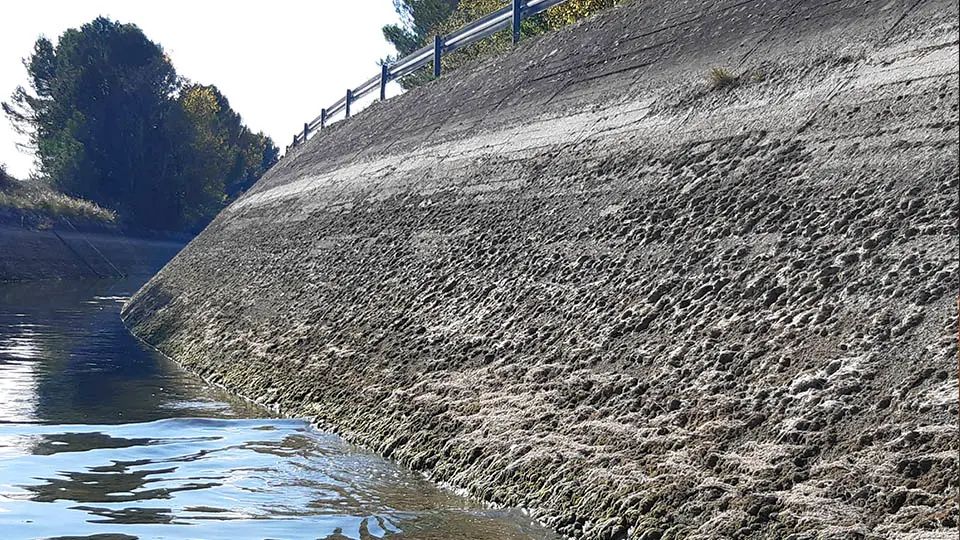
278 61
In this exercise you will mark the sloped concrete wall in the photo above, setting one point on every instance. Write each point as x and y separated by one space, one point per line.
581 279
27 255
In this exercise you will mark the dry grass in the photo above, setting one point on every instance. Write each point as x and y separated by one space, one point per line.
32 198
722 78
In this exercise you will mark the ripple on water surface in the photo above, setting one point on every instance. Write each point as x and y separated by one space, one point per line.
222 478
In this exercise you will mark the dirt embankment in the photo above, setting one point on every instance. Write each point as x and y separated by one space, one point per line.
582 279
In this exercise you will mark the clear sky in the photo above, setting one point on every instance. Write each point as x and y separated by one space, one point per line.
277 61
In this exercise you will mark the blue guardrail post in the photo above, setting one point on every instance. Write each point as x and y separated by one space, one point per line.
384 79
437 51
518 7
323 118
306 131
349 99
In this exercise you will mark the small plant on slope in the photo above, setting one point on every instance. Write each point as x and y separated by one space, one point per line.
721 78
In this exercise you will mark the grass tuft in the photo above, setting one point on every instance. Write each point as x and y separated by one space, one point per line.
722 78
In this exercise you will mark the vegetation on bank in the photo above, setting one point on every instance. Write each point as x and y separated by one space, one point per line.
111 122
421 20
19 198
719 77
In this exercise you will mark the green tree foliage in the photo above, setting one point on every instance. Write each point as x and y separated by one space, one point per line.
222 157
419 20
5 179
111 122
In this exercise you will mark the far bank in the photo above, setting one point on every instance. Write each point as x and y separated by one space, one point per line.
56 253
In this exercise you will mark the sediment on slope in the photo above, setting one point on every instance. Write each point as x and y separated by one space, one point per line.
582 280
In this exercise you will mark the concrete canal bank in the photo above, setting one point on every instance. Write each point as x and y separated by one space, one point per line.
28 254
589 279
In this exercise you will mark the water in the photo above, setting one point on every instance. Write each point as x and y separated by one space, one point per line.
101 438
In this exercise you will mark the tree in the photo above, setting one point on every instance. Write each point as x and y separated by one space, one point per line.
419 20
96 116
220 156
256 154
5 179
110 121
204 156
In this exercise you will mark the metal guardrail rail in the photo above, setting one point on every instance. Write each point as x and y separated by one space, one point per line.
471 33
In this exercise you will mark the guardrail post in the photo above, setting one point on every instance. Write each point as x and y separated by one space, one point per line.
349 99
384 79
294 143
518 8
437 52
323 118
306 131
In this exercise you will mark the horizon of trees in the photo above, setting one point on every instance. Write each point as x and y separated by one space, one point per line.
111 122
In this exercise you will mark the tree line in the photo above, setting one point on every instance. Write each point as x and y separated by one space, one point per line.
421 20
110 121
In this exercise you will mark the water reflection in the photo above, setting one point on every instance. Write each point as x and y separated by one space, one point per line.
18 352
66 357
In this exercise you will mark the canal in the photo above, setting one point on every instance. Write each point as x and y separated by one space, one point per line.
102 438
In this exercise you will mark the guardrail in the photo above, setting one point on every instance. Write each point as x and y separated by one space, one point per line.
471 33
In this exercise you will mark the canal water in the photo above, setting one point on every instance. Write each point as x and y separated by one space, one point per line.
102 438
